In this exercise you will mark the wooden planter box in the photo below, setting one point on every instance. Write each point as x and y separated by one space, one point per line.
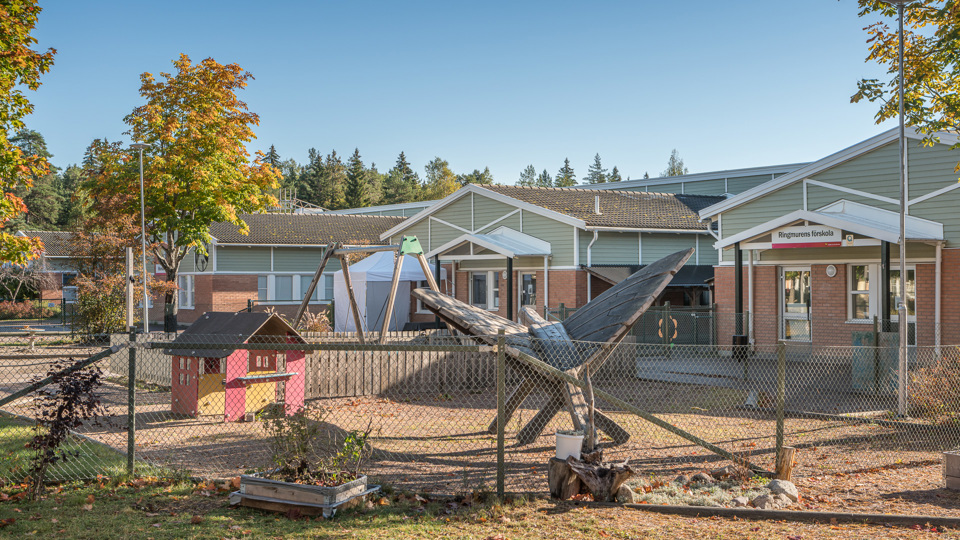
277 496
951 469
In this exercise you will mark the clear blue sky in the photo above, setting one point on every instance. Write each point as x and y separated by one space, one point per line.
498 84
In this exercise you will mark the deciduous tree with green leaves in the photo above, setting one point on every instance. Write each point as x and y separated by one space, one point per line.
675 165
440 179
528 176
931 64
197 170
476 177
20 70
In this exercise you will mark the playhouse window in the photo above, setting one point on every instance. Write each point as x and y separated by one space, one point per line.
181 362
181 379
263 362
211 366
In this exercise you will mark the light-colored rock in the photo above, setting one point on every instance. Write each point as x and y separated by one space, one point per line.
786 488
701 478
782 500
723 472
771 501
626 495
740 501
682 480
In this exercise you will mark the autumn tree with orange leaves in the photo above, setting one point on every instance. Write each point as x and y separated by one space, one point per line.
20 69
197 170
931 64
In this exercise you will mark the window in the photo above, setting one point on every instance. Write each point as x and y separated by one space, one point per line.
860 291
865 294
305 286
262 361
528 289
261 287
327 287
68 287
420 308
185 294
478 290
484 289
283 288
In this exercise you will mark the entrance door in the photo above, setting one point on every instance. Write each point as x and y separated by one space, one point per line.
795 297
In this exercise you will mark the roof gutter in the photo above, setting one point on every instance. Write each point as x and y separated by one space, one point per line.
646 230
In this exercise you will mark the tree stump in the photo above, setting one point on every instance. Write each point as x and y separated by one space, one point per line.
601 479
562 480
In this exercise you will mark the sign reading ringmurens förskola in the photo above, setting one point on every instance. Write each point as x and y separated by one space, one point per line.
802 236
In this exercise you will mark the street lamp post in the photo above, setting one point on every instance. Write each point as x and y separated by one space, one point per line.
902 322
143 238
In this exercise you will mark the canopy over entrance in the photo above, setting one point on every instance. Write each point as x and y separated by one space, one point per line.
503 242
864 226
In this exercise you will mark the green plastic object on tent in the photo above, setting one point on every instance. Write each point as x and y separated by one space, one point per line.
409 245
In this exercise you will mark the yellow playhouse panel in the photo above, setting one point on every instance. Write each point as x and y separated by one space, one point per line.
211 398
259 395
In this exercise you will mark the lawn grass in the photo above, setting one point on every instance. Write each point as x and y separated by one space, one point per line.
94 460
160 510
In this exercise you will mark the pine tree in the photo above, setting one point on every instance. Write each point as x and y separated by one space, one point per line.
401 184
357 192
614 175
374 186
596 174
331 181
565 177
675 165
544 180
528 177
272 158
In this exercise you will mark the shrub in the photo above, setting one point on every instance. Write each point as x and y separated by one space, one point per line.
26 310
935 390
73 400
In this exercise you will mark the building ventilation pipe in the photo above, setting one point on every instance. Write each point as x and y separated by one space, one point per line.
596 205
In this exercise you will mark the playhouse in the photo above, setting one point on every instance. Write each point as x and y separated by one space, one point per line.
236 383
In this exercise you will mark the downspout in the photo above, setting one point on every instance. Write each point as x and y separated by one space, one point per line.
936 301
546 286
590 264
750 295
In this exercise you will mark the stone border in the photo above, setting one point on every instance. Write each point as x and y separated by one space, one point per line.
789 515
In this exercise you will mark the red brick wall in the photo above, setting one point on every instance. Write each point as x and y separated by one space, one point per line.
926 307
950 295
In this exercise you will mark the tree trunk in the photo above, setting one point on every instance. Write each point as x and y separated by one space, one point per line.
170 307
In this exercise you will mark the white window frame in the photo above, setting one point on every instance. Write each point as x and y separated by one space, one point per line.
492 300
423 285
68 292
297 288
185 292
873 302
520 288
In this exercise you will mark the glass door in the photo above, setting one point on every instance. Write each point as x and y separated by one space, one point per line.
795 297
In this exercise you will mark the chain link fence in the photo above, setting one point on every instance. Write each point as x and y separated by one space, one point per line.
430 402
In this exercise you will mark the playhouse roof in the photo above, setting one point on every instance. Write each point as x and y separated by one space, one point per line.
220 328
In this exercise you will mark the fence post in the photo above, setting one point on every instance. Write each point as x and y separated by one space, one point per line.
131 402
501 410
781 394
665 326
